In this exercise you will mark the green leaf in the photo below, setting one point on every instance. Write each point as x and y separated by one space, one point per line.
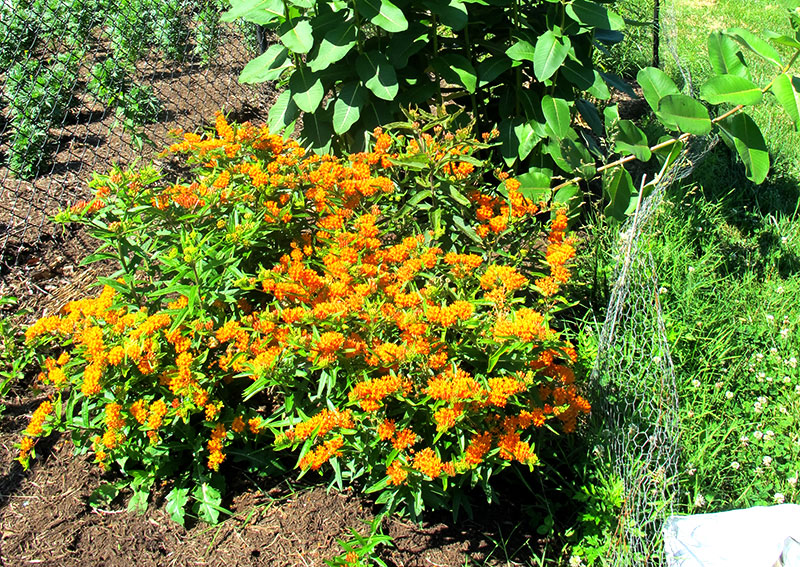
590 115
491 68
404 45
282 113
377 74
456 69
269 66
138 501
618 189
599 88
686 113
556 113
655 84
207 505
782 39
619 84
593 15
176 504
726 59
749 144
527 139
631 140
317 131
259 12
755 44
307 90
509 143
334 46
535 184
348 105
549 54
787 90
297 39
383 14
522 50
453 14
730 89
103 495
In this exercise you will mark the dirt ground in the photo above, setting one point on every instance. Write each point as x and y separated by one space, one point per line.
45 519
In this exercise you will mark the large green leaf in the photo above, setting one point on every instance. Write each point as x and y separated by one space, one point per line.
259 12
535 184
348 105
297 36
269 66
405 44
619 190
377 74
317 133
755 44
521 50
655 84
730 89
176 504
782 39
307 90
749 144
787 90
491 68
631 140
452 14
456 69
556 113
509 142
726 59
383 14
207 502
594 15
335 45
282 113
687 114
550 53
599 88
527 138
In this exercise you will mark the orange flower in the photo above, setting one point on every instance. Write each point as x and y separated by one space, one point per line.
396 473
404 439
37 419
386 430
428 463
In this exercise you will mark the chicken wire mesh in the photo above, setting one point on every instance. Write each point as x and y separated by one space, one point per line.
87 83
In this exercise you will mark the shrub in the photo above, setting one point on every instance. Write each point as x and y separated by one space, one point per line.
281 300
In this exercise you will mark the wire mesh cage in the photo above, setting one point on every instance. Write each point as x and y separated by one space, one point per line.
88 83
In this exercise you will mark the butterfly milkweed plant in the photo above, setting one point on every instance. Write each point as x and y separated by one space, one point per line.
388 316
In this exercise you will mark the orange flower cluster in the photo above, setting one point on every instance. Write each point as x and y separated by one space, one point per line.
317 457
496 213
215 445
559 252
371 393
321 424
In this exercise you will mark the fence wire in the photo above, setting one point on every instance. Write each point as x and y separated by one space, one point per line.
87 83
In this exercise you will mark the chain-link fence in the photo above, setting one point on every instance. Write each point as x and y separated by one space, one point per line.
87 83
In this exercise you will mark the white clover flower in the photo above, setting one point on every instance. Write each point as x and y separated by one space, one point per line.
759 356
735 465
770 318
696 383
787 380
744 440
773 350
766 461
718 385
769 434
758 407
784 333
699 501
757 435
690 414
690 469
779 498
779 289
691 269
792 362
769 379
792 481
729 394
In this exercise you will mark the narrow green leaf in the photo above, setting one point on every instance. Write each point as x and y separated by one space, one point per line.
383 14
686 113
787 90
631 140
655 84
297 38
556 113
730 89
550 53
590 115
782 39
749 145
726 59
619 84
269 66
377 74
348 105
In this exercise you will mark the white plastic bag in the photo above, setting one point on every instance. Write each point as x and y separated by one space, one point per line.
764 536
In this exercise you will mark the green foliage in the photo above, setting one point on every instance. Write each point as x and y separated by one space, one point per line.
172 32
208 31
15 358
